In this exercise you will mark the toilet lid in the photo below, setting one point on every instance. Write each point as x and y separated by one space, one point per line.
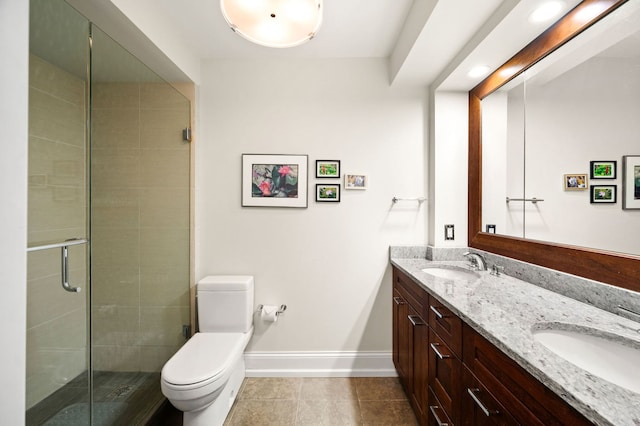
204 358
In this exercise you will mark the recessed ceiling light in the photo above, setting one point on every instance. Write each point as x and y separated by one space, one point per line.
546 11
479 71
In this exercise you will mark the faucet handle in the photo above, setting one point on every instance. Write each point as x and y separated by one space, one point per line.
496 270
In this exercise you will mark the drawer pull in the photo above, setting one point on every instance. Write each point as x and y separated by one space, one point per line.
415 320
439 422
434 347
398 301
437 312
485 410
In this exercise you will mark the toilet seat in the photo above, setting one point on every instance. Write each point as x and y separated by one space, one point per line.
205 359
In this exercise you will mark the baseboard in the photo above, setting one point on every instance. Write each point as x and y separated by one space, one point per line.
319 364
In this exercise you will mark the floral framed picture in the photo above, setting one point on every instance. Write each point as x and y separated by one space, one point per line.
274 180
603 194
328 192
603 169
352 181
575 182
328 169
631 182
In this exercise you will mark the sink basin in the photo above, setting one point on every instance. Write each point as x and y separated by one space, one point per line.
451 273
610 357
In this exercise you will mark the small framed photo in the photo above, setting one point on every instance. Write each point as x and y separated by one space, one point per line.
631 182
603 169
355 181
603 194
328 169
575 182
328 192
274 180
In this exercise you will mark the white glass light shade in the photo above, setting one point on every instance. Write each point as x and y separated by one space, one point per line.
274 23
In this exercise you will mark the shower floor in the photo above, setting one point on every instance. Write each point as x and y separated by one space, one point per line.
118 399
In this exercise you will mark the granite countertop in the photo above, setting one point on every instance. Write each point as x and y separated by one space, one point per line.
506 310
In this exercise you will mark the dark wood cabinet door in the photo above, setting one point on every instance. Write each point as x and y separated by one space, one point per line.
445 376
419 397
479 407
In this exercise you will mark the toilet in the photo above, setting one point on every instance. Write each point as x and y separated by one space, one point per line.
202 379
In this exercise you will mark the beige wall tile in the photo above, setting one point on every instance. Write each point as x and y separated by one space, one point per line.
65 332
46 299
115 168
115 286
116 358
153 358
115 248
164 168
49 370
164 207
115 128
57 208
115 208
59 163
164 285
162 95
163 325
164 246
162 129
55 119
115 95
115 325
55 81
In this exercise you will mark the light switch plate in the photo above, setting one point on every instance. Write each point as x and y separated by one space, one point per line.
449 232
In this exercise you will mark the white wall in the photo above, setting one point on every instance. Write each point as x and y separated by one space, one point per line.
329 262
14 86
448 168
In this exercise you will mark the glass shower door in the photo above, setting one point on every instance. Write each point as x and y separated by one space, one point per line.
57 378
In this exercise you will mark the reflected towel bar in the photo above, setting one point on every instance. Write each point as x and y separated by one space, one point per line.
418 199
533 200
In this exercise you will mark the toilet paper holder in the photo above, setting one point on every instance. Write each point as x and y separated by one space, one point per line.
278 312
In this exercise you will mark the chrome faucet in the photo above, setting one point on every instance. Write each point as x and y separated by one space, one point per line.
476 261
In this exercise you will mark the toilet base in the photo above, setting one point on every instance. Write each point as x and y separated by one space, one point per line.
216 413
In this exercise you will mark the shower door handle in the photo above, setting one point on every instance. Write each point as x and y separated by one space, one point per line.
65 272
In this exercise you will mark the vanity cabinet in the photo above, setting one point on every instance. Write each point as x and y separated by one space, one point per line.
410 341
454 376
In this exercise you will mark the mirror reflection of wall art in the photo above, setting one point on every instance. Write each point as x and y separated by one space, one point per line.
329 192
631 182
274 180
603 169
603 194
355 181
328 169
575 182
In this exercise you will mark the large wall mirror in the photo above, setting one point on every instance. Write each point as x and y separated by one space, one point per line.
554 151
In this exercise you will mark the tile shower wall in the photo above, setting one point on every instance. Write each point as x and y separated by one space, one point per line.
140 225
56 331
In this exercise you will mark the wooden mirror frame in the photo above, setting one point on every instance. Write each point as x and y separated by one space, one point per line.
617 269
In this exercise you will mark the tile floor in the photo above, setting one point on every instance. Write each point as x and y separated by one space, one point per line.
321 401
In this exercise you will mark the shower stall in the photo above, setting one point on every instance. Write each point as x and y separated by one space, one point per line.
108 225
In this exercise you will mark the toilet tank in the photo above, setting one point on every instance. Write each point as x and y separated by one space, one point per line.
225 303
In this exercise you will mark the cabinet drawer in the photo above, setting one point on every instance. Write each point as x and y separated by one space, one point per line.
479 407
445 376
436 415
446 324
522 395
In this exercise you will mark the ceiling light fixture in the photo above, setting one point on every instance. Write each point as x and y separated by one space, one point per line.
546 11
274 23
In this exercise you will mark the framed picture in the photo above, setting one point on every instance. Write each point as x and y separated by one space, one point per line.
575 182
274 180
328 169
603 169
603 194
355 181
631 182
328 192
